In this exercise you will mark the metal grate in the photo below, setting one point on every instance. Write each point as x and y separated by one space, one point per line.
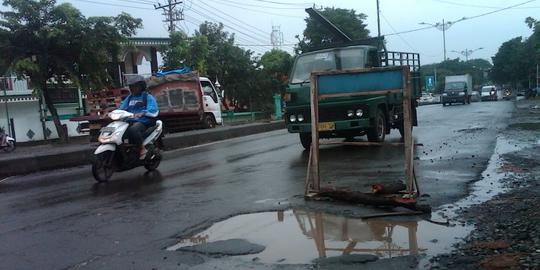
389 59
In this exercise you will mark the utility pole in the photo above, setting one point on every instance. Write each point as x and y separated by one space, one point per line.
171 14
3 83
442 27
276 37
467 52
537 77
444 38
378 20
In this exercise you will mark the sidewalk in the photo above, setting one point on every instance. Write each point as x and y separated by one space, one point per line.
29 159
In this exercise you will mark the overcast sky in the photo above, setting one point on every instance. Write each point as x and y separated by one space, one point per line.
252 21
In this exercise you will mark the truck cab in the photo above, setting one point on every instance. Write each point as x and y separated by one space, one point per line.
211 103
373 115
457 89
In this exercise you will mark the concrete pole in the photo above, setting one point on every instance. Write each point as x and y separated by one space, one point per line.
378 20
537 76
7 110
444 38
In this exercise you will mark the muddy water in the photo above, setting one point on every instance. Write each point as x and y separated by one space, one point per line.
298 236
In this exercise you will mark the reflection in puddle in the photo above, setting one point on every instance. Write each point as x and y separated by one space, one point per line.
299 236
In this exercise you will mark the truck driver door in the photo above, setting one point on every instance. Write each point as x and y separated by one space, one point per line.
211 101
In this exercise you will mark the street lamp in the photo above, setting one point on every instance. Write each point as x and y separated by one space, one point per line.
467 52
442 26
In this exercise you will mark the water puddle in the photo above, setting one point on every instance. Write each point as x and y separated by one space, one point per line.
299 236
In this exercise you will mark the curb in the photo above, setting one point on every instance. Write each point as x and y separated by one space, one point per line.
47 161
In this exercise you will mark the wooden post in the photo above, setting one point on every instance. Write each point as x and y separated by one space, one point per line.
407 131
314 97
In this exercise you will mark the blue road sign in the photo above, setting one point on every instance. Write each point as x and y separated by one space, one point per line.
430 83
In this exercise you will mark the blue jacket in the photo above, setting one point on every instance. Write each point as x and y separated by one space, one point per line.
136 105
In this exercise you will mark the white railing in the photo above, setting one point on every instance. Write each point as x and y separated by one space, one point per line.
14 86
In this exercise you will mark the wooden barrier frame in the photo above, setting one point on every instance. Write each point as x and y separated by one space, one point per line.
313 169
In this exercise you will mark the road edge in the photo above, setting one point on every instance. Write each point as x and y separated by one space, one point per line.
62 159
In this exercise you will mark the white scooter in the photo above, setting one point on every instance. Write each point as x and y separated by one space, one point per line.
7 143
116 154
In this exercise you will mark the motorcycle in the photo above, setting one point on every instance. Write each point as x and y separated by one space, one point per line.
115 154
7 143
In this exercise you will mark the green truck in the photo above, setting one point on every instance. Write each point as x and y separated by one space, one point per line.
348 117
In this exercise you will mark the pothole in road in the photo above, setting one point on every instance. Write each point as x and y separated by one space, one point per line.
300 236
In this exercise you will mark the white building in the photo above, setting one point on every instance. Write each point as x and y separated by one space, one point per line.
27 113
29 119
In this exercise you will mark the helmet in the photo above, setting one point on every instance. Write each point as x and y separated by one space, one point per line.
136 80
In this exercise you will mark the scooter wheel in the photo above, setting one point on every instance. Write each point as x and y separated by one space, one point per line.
153 163
10 147
101 170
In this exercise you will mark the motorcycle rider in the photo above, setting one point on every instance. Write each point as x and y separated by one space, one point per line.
144 108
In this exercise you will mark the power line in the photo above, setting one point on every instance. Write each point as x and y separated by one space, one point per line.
409 31
259 6
242 25
495 11
474 5
228 26
282 3
236 37
257 11
112 5
463 19
139 2
400 37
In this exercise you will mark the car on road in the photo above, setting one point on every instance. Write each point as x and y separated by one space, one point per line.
426 98
489 93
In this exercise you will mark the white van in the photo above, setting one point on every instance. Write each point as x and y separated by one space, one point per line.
491 92
212 103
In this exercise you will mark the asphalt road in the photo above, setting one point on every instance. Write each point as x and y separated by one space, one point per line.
63 220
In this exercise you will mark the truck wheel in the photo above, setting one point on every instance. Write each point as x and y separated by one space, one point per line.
305 140
377 133
402 130
209 121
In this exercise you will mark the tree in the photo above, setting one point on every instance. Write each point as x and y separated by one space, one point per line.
233 65
350 22
276 65
509 63
56 44
184 51
174 55
516 60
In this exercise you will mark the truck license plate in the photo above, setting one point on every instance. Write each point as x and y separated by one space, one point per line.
325 126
